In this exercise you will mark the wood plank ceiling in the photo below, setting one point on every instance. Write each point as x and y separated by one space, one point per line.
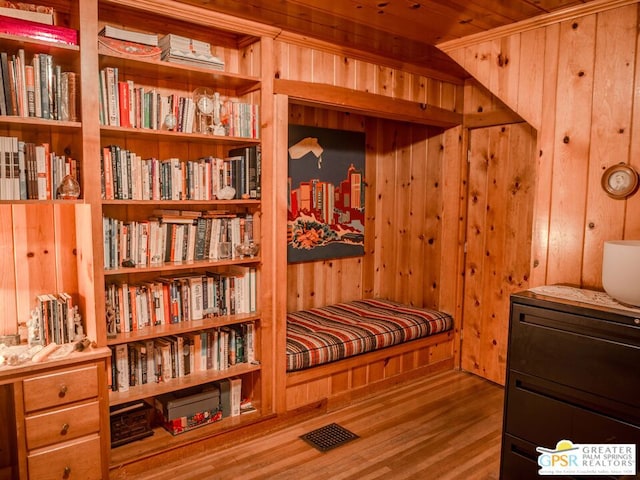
405 30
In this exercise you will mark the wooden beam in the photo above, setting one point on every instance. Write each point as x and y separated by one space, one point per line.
490 119
363 103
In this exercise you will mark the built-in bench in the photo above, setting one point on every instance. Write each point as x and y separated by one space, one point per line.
336 350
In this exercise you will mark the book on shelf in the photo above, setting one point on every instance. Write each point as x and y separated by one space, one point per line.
38 31
124 103
179 49
118 33
177 299
32 172
177 356
230 396
114 46
54 320
37 87
122 377
246 171
243 119
28 11
166 239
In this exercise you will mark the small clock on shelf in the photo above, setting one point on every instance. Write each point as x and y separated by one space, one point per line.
203 98
209 111
620 180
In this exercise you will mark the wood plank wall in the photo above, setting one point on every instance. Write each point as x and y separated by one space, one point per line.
413 176
576 80
38 256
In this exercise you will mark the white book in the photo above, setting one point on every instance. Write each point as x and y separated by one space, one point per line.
122 367
129 35
249 342
236 396
196 297
41 171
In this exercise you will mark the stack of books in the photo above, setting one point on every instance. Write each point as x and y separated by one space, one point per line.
128 42
110 31
185 50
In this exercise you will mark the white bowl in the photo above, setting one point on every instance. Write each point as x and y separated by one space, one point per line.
621 270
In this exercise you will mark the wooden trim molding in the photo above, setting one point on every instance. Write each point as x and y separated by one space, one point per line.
582 10
364 103
202 16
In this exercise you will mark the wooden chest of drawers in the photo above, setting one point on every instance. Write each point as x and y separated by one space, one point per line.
61 409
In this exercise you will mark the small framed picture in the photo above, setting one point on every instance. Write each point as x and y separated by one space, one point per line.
620 181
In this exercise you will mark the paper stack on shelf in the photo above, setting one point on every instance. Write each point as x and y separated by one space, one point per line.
185 50
129 35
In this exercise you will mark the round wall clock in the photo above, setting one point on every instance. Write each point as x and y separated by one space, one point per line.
620 181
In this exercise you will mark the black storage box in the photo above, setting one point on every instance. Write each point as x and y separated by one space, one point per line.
129 422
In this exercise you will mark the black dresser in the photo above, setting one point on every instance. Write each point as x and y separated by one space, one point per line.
573 372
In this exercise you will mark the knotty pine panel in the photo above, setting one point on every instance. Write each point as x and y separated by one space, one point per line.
571 149
577 90
38 241
501 187
610 133
293 62
8 323
405 226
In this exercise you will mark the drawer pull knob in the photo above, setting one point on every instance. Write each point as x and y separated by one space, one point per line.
65 429
636 321
63 391
67 472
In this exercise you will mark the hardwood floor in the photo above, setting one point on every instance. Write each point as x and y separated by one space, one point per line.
445 427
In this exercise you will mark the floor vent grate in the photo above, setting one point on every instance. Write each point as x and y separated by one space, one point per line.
328 437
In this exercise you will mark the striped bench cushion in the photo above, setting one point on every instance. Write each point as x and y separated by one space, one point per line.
322 335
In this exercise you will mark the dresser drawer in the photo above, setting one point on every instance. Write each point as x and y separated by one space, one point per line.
60 388
62 425
75 460
562 413
587 353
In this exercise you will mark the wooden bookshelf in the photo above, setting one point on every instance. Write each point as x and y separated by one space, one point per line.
65 236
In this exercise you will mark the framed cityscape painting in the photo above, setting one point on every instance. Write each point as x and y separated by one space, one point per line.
325 193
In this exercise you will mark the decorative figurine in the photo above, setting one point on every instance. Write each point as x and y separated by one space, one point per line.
218 128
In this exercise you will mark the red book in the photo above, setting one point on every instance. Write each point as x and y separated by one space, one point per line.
38 31
123 100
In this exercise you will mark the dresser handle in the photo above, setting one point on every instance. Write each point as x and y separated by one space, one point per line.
63 391
65 429
67 472
636 321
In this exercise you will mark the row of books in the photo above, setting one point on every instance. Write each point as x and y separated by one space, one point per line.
241 119
174 238
123 103
128 176
30 171
161 359
54 319
37 88
179 299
